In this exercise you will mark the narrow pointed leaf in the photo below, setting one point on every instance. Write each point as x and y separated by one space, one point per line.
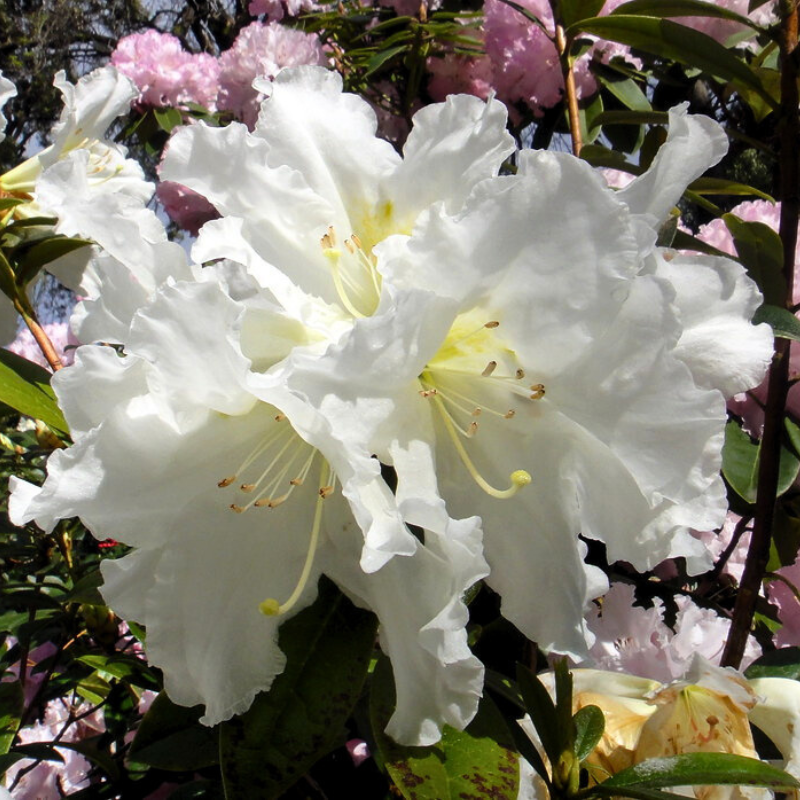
589 726
701 769
682 8
542 711
784 324
25 386
676 42
11 706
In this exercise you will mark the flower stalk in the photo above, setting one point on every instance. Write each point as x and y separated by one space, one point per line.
563 45
38 333
778 386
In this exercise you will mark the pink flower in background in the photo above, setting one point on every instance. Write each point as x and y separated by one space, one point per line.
164 72
784 597
459 74
716 544
358 750
51 780
636 640
187 209
260 51
727 32
410 8
275 9
59 334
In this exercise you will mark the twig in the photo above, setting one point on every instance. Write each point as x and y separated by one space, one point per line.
42 339
563 45
769 466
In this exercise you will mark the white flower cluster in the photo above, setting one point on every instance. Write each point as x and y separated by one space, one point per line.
515 347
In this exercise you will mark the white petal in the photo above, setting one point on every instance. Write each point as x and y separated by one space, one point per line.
452 146
694 144
7 91
716 301
778 714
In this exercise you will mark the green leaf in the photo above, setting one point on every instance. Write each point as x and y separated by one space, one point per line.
784 663
170 737
379 59
43 252
681 8
630 791
10 202
12 702
676 42
760 250
701 769
25 386
785 542
722 186
626 90
573 11
328 647
123 667
168 118
599 156
740 455
783 323
479 761
589 726
542 711
565 726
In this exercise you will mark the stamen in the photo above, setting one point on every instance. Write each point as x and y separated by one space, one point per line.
349 245
325 491
356 241
489 369
520 374
226 481
518 478
509 414
492 324
237 509
271 607
247 487
472 429
477 412
537 391
428 392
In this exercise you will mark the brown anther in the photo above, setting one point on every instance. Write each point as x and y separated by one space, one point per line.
280 417
537 391
237 509
296 481
349 245
261 503
476 412
326 242
489 369
356 241
520 374
510 413
247 487
472 429
428 392
492 324
226 481
325 491
331 234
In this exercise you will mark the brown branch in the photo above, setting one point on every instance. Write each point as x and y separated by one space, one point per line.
42 339
769 465
563 46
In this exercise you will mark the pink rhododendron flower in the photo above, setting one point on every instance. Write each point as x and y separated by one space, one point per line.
260 51
164 72
459 74
725 31
410 8
636 640
782 594
187 209
275 9
717 542
358 750
51 780
59 334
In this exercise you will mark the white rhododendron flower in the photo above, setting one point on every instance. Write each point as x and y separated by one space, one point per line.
237 501
523 333
7 91
708 710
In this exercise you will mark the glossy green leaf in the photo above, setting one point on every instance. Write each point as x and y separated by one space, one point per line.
542 711
589 726
171 737
681 8
573 11
722 186
635 792
25 386
477 762
599 156
626 90
740 464
10 202
12 702
379 59
168 118
676 42
701 769
122 667
783 663
761 252
43 252
785 541
328 647
784 324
